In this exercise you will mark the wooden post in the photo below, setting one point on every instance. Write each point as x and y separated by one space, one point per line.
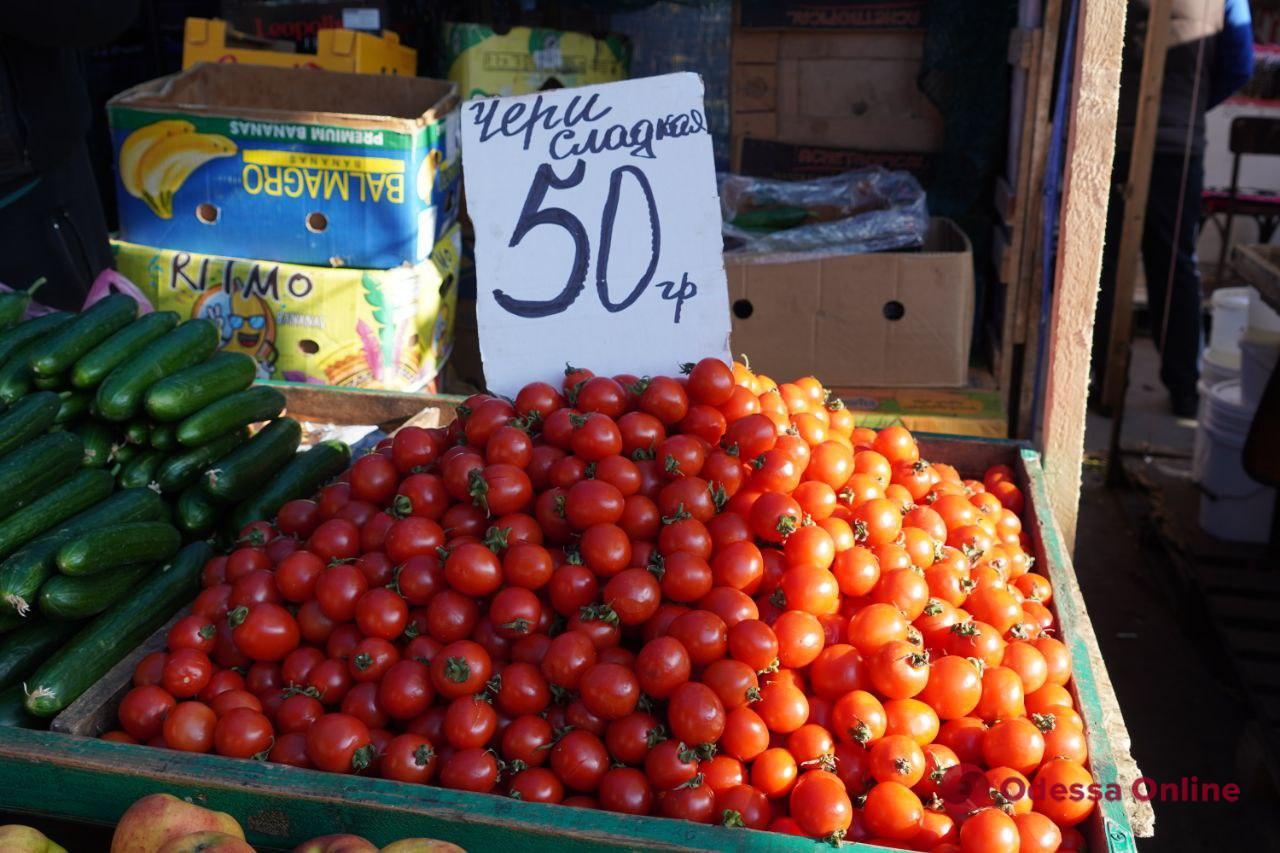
1136 188
1083 225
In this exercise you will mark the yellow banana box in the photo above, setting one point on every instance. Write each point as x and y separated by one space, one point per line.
211 40
286 164
530 59
385 329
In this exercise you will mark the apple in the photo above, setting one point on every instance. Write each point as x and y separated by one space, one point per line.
16 838
153 821
337 844
422 845
206 841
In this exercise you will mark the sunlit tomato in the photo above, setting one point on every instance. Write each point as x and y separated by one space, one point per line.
774 773
858 717
662 665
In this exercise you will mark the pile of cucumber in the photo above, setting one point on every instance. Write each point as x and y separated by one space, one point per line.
121 438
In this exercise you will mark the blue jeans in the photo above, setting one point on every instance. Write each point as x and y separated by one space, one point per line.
1169 262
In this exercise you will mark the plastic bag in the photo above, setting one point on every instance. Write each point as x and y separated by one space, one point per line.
866 210
108 281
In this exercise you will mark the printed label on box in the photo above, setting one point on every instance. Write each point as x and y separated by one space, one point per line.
389 329
307 193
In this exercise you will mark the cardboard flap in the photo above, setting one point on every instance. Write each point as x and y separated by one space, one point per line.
296 94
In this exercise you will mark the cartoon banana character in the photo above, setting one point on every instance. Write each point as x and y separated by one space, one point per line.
139 142
158 164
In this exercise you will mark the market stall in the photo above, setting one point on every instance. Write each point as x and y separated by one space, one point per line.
267 548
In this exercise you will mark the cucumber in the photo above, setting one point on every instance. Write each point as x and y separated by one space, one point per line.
48 383
141 469
299 478
188 391
236 475
181 470
9 620
72 405
29 417
118 545
77 493
33 469
122 453
24 571
16 373
19 336
98 439
94 365
197 513
57 352
137 432
115 633
14 305
163 437
24 649
69 599
13 710
230 413
120 394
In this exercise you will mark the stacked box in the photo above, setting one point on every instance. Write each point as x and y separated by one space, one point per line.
386 329
316 209
530 59
301 166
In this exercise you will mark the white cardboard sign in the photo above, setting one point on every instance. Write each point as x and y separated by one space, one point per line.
597 226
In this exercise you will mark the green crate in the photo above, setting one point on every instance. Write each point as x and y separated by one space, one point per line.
89 780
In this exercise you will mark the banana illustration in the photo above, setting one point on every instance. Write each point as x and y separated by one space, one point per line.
168 163
138 143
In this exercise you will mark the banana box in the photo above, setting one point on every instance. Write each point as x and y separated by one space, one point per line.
211 40
954 411
284 164
384 329
530 59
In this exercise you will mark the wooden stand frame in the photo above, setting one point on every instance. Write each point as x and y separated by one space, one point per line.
1083 225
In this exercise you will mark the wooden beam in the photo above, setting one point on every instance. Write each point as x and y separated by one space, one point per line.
1082 224
1136 188
1026 290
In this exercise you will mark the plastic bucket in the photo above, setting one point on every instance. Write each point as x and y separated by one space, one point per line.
1230 307
1261 316
1233 506
1215 369
1258 356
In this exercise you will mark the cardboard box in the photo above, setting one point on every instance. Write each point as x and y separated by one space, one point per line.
895 319
211 40
788 161
300 22
525 59
833 14
390 329
284 164
836 89
962 411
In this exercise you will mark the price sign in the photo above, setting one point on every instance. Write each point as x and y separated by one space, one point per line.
597 227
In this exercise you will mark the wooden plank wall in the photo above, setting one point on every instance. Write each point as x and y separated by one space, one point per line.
1083 222
1137 185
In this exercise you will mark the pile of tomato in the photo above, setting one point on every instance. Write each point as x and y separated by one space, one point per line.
707 597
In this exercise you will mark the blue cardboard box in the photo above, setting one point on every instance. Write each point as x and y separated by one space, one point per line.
293 165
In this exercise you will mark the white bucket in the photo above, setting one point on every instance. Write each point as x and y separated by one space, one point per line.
1261 316
1216 369
1233 506
1230 307
1259 353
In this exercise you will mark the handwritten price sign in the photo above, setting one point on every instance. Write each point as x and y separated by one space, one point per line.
597 230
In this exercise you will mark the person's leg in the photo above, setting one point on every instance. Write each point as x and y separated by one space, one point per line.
1173 277
56 230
